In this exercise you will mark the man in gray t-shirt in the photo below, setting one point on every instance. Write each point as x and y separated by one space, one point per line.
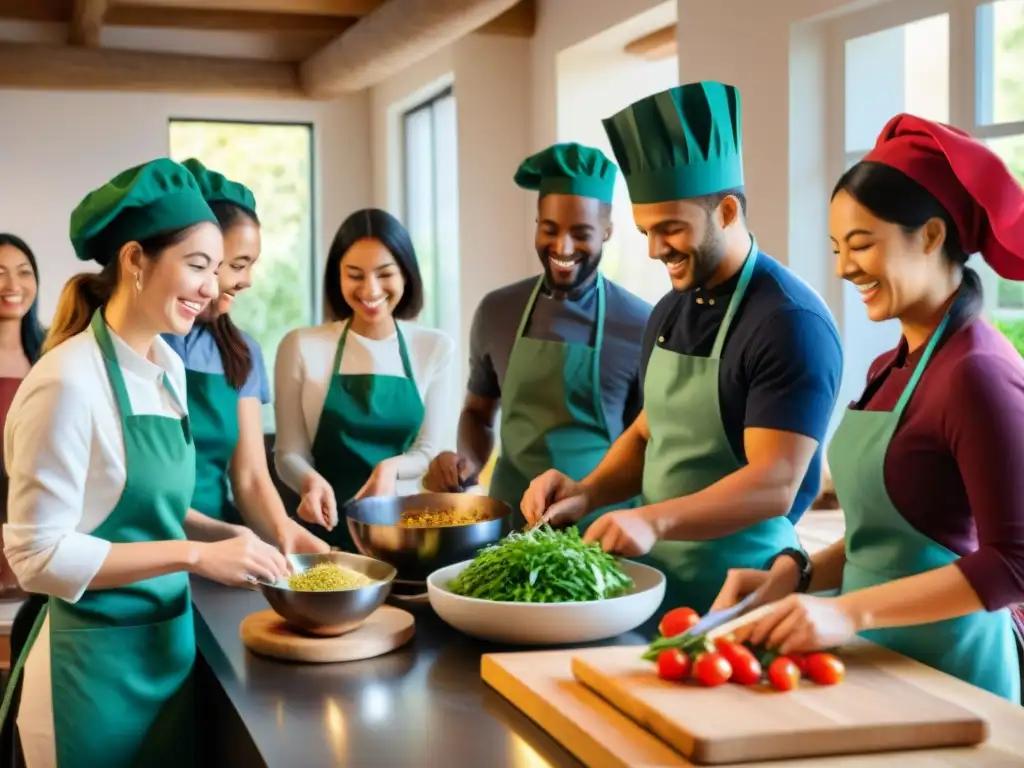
559 355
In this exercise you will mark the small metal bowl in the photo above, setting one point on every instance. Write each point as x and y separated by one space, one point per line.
418 552
330 614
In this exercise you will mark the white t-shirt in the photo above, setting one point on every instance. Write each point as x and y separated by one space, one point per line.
302 375
64 454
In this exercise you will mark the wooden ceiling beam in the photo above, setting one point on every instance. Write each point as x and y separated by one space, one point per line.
66 68
518 21
295 7
660 44
87 22
124 15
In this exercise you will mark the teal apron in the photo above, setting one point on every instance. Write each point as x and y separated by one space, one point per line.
213 413
121 659
688 451
552 416
366 418
881 546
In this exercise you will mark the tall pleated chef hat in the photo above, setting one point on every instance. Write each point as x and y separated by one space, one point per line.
218 188
152 199
973 184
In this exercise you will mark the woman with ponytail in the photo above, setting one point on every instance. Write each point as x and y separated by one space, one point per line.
927 463
100 453
227 384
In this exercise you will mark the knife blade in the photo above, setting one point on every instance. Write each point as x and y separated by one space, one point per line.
715 619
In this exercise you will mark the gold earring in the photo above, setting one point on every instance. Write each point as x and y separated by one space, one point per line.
138 282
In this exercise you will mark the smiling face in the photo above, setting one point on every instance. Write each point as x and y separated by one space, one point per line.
242 246
371 281
181 283
892 269
571 231
18 286
687 237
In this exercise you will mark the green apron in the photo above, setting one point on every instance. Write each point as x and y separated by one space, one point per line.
366 418
552 416
213 413
882 546
688 451
121 659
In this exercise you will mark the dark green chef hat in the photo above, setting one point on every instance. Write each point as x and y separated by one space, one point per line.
681 143
218 188
148 200
569 169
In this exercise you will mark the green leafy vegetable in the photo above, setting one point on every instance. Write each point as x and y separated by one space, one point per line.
542 566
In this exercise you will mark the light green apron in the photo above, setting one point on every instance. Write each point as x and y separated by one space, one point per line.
121 659
366 418
213 413
552 416
881 546
689 451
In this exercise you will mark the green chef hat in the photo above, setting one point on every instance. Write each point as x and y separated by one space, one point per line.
681 143
569 169
148 200
218 188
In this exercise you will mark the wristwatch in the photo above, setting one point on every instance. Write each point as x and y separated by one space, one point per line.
803 564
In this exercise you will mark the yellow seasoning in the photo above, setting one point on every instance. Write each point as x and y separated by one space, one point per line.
328 577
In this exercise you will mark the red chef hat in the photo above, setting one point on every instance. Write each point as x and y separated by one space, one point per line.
971 182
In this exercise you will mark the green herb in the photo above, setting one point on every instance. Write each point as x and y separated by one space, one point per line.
542 566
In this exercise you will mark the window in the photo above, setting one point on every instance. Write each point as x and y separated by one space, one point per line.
275 161
432 204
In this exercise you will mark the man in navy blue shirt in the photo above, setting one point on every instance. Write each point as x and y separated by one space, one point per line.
742 366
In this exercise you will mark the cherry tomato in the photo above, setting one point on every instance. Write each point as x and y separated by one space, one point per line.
746 669
783 674
825 669
801 662
673 664
712 669
677 621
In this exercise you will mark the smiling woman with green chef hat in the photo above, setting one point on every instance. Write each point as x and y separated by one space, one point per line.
742 365
558 355
227 384
101 460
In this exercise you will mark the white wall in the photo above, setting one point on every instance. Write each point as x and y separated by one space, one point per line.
55 147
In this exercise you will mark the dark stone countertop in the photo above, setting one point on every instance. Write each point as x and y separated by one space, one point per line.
421 706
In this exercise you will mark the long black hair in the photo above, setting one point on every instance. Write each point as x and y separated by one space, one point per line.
894 197
32 333
379 225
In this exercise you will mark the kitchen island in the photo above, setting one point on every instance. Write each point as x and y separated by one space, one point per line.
423 705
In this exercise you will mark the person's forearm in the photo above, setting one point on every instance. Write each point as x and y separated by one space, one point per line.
129 563
199 527
937 595
619 476
261 507
827 567
476 438
744 498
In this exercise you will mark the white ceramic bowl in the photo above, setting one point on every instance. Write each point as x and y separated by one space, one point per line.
548 623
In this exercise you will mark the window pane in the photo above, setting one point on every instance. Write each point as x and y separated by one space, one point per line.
1011 150
902 69
419 206
275 162
445 300
1000 50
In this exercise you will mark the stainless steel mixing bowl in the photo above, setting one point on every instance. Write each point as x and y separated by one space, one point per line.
331 613
418 552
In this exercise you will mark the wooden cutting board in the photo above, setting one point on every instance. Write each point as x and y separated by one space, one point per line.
871 711
384 630
542 686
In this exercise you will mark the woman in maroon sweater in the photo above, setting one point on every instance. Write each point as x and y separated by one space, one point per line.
928 464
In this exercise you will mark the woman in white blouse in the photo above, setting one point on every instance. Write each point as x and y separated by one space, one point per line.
360 402
101 460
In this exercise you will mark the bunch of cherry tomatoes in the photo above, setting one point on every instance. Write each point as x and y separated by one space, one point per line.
680 656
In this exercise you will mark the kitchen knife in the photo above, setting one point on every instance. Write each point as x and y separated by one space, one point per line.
715 619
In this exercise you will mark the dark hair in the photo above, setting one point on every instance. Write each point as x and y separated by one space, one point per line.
234 351
712 201
86 292
32 333
894 197
382 226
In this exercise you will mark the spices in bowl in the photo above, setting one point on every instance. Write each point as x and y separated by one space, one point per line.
328 577
441 518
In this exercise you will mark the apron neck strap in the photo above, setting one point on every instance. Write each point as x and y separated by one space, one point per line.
403 350
915 377
737 298
529 308
598 336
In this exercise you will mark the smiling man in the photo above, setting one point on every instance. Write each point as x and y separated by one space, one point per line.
742 366
560 355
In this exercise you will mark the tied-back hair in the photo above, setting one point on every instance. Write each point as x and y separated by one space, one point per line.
235 354
896 198
32 333
87 292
